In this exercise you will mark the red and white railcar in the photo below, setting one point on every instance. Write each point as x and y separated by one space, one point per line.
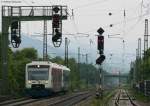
44 77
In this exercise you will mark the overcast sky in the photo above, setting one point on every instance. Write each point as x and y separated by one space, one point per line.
89 15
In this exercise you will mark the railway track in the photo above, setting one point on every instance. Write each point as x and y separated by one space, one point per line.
71 100
124 99
61 100
117 99
17 102
4 98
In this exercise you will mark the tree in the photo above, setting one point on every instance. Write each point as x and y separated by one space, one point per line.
17 62
141 68
0 55
74 74
58 60
29 53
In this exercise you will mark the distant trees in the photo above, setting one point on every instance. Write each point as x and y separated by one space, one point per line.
17 62
74 75
57 60
0 54
140 69
16 67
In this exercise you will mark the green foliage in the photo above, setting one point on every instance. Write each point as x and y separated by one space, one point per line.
88 72
0 54
29 53
141 68
74 74
105 101
17 61
139 96
58 60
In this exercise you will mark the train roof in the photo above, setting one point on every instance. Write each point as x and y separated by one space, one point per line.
48 63
40 63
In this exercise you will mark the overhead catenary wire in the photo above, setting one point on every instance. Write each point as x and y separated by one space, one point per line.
139 19
90 4
145 6
73 36
128 20
119 22
113 11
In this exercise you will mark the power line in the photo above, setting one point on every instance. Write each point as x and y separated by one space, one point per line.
137 22
73 36
145 6
90 4
114 11
119 22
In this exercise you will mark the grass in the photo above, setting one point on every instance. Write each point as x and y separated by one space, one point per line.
139 96
104 101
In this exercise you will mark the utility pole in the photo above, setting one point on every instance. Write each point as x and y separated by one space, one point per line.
139 48
4 52
119 80
66 51
87 71
136 68
146 37
79 64
146 43
100 77
45 42
44 37
139 59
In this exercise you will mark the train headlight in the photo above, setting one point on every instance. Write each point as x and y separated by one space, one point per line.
29 81
38 66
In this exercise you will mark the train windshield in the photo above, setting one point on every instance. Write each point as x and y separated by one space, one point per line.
38 73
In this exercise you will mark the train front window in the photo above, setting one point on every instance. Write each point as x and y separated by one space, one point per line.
38 73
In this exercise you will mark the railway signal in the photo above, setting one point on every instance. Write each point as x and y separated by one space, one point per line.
100 59
100 44
100 31
56 19
57 25
100 40
57 35
15 34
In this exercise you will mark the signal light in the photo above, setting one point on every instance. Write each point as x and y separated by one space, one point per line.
100 59
100 43
15 34
57 25
56 9
57 36
56 19
14 25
